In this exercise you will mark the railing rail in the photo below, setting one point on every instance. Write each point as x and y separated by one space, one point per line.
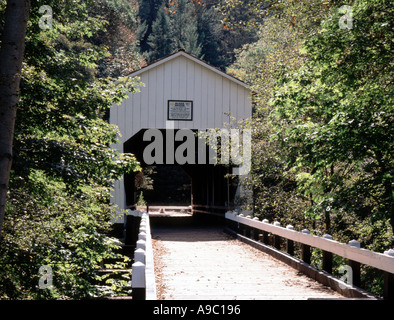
210 209
351 251
164 208
143 275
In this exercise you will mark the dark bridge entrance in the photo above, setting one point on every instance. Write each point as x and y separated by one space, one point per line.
180 92
206 188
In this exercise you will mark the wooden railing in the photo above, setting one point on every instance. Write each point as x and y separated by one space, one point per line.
212 210
259 231
164 209
143 276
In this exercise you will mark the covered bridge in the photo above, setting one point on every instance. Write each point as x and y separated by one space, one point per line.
180 92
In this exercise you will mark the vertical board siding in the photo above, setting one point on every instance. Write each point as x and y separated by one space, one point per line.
218 97
198 97
161 114
214 96
182 87
136 106
226 100
129 114
152 97
240 103
233 100
144 107
167 89
211 102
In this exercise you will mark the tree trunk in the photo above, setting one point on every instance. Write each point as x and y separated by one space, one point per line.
11 57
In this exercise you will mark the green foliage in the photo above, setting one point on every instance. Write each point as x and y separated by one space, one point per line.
322 128
191 25
160 38
174 28
119 36
183 23
58 211
259 64
338 107
45 225
141 201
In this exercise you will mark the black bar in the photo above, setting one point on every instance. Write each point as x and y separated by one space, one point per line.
290 247
356 275
277 242
132 229
306 253
139 293
388 292
327 261
265 237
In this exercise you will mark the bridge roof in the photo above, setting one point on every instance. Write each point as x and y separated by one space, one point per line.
190 57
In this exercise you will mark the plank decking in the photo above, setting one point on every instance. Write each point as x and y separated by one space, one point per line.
206 264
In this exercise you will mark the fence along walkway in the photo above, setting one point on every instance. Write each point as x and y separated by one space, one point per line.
207 264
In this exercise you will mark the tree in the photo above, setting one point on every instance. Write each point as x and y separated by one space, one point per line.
147 10
211 36
322 122
183 26
58 213
339 110
11 57
240 20
259 64
160 40
119 35
189 25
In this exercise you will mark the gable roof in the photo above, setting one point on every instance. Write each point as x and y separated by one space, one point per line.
190 57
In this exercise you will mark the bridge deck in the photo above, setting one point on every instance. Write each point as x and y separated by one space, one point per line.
205 264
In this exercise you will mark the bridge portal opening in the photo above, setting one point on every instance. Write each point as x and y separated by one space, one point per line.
183 92
163 185
205 188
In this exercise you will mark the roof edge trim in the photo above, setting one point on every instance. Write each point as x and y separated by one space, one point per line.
190 57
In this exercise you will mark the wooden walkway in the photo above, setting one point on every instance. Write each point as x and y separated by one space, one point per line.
194 263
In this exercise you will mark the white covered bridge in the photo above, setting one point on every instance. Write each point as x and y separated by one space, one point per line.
181 92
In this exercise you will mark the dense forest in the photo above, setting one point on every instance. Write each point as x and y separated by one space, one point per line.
322 125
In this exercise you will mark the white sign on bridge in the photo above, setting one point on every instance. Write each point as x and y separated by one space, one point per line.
180 110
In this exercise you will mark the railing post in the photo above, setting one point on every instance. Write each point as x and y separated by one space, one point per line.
327 257
139 255
355 266
241 227
388 291
141 244
277 238
290 243
138 281
255 235
251 233
265 234
132 226
306 250
232 225
248 230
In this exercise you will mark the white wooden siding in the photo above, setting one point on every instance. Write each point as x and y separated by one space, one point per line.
213 96
179 77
